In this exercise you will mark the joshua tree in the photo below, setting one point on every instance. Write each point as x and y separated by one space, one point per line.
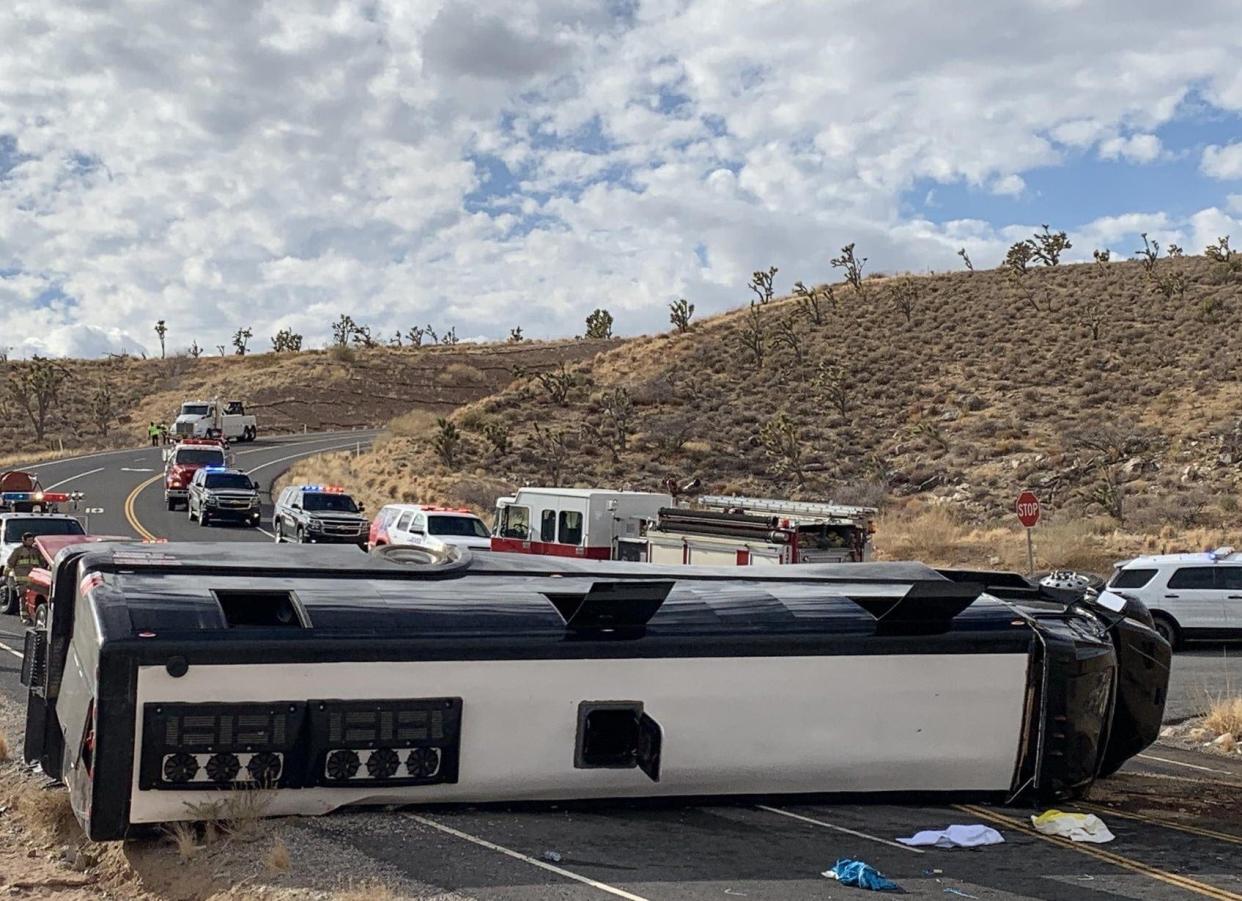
783 445
616 418
161 329
103 410
223 350
552 448
811 300
679 313
599 324
1102 257
1048 247
240 339
1149 254
1018 258
450 337
35 388
415 336
362 336
1224 257
970 267
557 383
446 442
342 330
906 297
1175 251
515 335
286 340
835 386
497 434
761 284
752 334
194 350
853 266
787 334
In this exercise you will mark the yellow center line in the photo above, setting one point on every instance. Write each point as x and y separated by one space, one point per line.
1179 881
1159 821
132 517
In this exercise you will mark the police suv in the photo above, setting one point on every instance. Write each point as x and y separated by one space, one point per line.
319 514
219 493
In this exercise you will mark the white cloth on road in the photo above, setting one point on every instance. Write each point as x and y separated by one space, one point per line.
973 836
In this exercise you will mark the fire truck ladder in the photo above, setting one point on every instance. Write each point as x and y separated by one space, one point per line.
777 507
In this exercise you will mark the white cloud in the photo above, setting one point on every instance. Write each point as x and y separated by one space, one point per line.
1009 185
1139 148
1223 162
273 165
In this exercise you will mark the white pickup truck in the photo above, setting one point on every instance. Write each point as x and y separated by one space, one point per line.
213 419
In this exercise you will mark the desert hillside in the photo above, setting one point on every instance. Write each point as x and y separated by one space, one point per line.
1110 388
108 403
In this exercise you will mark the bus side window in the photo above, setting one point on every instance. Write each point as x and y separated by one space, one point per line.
547 525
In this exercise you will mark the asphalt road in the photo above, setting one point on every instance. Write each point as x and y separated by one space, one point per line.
716 850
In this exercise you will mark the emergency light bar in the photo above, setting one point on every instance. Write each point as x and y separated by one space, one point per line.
324 489
38 497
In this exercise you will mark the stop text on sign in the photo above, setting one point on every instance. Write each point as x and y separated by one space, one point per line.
1028 509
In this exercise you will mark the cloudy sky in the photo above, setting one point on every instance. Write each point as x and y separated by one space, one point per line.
487 165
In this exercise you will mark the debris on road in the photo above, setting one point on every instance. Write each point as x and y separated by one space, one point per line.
552 856
858 874
1077 827
972 836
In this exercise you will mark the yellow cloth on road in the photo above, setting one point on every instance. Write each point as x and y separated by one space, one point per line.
1077 827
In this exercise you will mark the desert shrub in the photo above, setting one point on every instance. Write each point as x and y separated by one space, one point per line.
415 424
459 374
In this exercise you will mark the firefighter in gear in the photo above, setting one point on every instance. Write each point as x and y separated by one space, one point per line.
23 559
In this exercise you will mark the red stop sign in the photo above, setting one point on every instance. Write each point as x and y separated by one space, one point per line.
1028 509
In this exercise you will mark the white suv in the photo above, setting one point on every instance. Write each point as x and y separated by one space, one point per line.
435 528
1189 595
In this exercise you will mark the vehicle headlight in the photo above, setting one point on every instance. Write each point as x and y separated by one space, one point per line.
314 525
211 500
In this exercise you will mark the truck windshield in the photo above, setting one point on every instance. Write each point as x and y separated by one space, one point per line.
15 528
205 456
194 409
234 480
457 526
333 503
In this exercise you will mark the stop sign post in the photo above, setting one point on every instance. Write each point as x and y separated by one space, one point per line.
1027 507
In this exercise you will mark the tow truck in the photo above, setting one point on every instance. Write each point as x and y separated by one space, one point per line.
734 530
20 492
213 419
185 458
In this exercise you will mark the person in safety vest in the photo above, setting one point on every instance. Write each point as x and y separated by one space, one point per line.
23 559
153 432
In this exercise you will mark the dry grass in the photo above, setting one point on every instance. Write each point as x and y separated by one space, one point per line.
278 857
46 812
234 814
185 838
370 890
1225 715
4 748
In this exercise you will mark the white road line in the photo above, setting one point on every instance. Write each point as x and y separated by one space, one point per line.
836 828
534 862
16 653
1189 766
71 478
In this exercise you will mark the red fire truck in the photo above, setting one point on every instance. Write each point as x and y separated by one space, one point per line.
185 458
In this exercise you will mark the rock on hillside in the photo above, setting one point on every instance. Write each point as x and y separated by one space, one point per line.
1108 388
318 389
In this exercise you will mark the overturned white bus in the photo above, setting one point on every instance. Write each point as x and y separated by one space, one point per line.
169 674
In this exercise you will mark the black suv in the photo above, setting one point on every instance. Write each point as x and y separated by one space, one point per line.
216 493
319 514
